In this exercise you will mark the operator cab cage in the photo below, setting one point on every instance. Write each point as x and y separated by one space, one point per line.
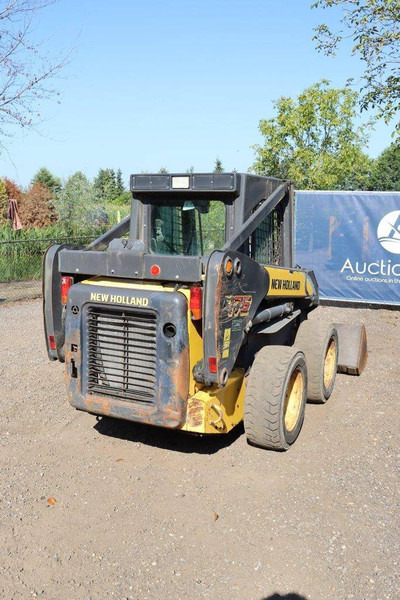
177 220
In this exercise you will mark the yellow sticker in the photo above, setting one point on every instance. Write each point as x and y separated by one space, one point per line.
286 282
227 341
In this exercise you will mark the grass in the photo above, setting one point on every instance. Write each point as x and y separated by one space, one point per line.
21 260
21 252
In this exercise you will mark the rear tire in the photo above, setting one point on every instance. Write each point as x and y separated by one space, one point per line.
319 342
276 397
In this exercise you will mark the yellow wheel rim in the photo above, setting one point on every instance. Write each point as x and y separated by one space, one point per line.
294 399
330 363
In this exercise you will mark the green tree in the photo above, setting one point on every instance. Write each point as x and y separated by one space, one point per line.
47 180
313 140
113 180
163 171
105 185
373 26
124 199
218 168
76 205
386 170
120 188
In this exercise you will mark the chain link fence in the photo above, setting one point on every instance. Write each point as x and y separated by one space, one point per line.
21 262
21 265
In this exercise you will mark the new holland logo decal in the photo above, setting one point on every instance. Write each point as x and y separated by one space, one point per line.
119 299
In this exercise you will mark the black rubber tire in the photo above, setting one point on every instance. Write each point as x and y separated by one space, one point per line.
313 338
264 410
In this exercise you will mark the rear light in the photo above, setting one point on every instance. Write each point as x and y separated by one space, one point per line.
196 302
52 342
155 270
212 364
66 283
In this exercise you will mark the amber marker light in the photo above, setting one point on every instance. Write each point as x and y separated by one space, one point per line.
228 266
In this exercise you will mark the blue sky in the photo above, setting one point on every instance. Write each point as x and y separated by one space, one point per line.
172 83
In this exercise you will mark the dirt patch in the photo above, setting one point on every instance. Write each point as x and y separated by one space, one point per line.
98 509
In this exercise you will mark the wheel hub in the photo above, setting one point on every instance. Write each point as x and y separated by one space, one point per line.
294 399
329 364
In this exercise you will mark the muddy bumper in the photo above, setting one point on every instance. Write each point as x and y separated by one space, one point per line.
127 353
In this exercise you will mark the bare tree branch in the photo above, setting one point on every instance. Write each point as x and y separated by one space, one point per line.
27 73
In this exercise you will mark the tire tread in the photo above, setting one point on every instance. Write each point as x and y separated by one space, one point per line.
262 411
311 338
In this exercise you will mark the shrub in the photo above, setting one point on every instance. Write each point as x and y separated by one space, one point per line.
36 208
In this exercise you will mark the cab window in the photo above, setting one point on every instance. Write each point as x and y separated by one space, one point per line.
187 227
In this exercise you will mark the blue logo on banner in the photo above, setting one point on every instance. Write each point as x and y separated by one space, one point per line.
389 232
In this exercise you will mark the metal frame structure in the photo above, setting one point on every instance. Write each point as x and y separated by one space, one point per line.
248 200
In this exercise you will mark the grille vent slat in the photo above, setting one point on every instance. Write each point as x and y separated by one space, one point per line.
98 365
144 348
98 359
122 353
115 326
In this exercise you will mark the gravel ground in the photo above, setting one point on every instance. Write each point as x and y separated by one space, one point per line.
142 513
10 291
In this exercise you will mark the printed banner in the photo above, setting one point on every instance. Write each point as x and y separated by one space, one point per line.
352 242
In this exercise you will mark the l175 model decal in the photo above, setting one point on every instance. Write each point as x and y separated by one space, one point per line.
238 306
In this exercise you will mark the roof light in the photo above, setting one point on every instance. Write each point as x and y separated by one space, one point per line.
180 183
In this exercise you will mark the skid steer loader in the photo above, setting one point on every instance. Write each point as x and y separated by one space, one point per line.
190 314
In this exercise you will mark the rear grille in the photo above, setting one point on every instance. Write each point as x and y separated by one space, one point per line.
122 353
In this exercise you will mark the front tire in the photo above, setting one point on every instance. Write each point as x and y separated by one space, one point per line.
276 397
